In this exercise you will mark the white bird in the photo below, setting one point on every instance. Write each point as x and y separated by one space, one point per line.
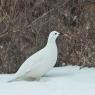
41 62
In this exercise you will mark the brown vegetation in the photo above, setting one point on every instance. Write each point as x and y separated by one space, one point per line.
25 25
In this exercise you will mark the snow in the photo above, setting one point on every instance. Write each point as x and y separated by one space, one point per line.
67 80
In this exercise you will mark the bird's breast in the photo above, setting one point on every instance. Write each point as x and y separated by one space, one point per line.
52 54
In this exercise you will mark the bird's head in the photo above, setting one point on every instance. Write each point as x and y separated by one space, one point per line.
53 36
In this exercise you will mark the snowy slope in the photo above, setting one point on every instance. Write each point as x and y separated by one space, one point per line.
67 80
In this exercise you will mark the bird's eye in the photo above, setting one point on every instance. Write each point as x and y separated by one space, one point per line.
55 33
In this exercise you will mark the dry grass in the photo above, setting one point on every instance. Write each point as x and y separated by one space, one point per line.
25 25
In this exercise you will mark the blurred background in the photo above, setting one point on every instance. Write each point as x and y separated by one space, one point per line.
25 25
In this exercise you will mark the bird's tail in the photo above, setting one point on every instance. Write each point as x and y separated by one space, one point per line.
13 79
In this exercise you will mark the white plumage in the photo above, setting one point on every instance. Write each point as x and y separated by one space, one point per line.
41 62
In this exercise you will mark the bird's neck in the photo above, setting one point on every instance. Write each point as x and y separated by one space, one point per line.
51 42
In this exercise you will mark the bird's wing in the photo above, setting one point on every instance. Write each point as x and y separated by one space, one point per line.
32 62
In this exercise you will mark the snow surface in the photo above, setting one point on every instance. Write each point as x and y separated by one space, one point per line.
68 80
